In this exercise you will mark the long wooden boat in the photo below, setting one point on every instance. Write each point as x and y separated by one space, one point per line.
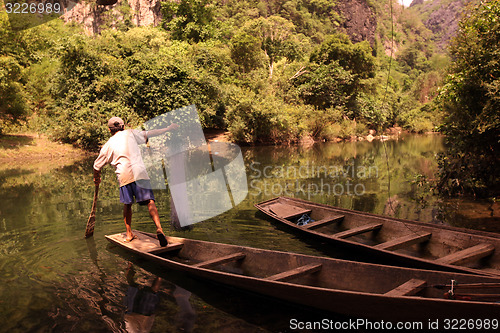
391 240
351 288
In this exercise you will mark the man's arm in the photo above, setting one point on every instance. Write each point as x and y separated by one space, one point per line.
161 131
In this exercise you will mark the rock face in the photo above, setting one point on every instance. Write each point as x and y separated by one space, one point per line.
416 2
444 21
146 12
96 17
86 14
360 22
443 17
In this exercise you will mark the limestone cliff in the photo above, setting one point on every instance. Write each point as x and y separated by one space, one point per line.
441 17
359 22
96 17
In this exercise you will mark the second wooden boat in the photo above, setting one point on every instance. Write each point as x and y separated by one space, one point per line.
351 288
390 240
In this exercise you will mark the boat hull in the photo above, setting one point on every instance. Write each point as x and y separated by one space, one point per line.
427 246
315 289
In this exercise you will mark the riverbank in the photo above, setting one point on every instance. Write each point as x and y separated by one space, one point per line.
392 133
37 152
34 151
28 149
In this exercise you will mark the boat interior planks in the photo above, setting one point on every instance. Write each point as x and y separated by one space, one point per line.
472 253
358 230
221 260
391 240
295 272
409 288
324 222
287 211
404 241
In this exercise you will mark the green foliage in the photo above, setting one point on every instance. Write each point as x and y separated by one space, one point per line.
336 74
189 20
416 70
259 119
414 119
326 86
12 99
14 56
276 39
355 58
245 51
320 123
372 111
125 23
471 100
130 74
266 70
413 56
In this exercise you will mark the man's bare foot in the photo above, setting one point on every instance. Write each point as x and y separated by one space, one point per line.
128 239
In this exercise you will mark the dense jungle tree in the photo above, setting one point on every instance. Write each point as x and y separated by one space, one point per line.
471 100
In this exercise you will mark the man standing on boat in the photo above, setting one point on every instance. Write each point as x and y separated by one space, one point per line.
123 153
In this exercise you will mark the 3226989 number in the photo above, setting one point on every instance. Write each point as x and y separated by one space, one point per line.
476 324
33 8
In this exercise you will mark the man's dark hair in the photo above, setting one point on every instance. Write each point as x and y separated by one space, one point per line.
117 128
116 124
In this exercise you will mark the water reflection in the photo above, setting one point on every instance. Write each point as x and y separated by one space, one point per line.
51 279
361 176
141 302
187 315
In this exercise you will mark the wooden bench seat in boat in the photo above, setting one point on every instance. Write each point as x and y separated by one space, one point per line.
472 253
323 222
295 273
287 211
400 242
409 288
220 260
169 247
358 230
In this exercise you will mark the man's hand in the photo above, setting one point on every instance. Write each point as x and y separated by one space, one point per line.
173 126
97 177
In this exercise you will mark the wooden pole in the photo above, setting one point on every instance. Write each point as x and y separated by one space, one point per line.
89 231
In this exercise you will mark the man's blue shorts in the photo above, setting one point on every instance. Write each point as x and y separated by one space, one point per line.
142 194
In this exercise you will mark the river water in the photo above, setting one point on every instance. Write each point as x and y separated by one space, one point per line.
53 280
